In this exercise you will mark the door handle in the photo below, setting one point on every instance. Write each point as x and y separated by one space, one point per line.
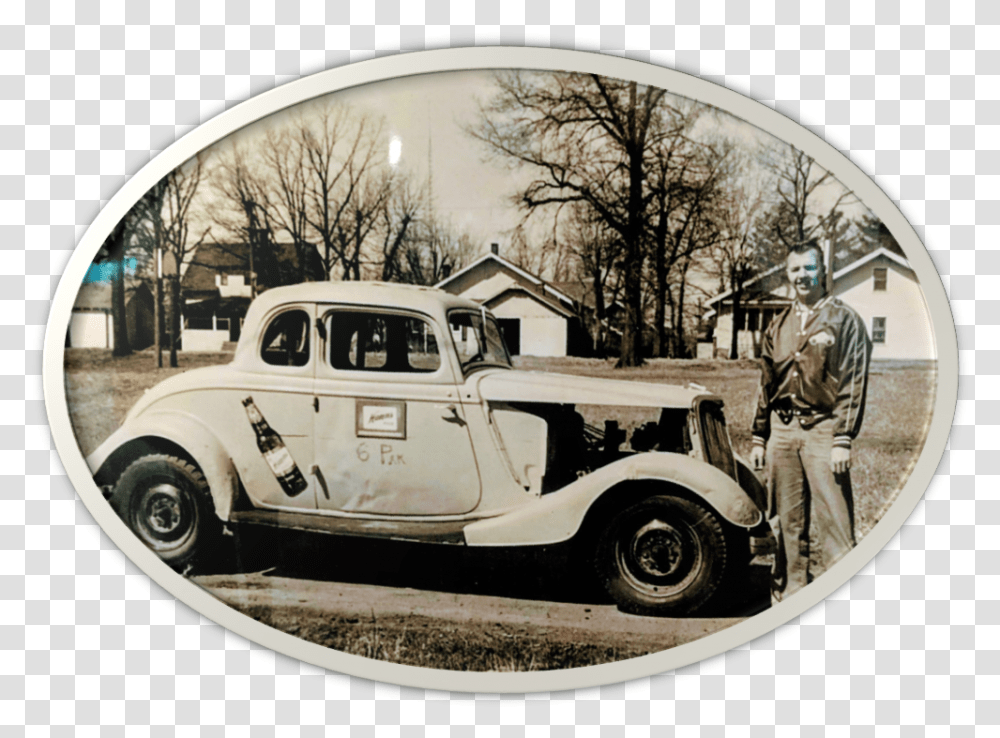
453 417
318 473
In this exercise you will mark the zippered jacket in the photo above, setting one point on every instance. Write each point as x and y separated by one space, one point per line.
814 364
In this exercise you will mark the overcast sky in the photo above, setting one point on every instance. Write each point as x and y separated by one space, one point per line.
429 111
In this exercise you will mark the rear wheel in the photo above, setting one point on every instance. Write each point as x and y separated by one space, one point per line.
664 555
165 501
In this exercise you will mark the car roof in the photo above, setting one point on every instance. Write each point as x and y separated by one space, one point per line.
430 301
381 294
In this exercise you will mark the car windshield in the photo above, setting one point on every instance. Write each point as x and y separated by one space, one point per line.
477 344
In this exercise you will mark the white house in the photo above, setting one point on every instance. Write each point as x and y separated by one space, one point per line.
881 286
536 318
91 323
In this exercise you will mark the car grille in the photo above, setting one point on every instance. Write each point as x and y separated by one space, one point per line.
715 436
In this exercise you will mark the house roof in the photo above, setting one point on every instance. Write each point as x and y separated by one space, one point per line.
534 279
881 251
518 289
211 259
97 295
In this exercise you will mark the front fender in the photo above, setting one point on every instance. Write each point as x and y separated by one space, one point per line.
557 517
168 431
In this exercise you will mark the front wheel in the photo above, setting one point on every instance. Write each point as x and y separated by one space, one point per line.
165 501
665 555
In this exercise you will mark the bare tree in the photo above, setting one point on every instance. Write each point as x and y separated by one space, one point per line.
367 203
797 182
114 248
344 185
397 216
432 251
733 258
683 181
585 138
146 244
597 249
180 188
284 196
247 219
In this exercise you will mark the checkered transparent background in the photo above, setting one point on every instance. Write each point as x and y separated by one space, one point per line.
90 93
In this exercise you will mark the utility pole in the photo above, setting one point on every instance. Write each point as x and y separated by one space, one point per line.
254 233
158 302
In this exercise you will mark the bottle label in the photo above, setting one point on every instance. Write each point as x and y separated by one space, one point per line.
280 461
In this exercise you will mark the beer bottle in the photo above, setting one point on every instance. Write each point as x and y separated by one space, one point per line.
275 453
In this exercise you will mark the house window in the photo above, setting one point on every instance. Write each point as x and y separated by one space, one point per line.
881 278
878 330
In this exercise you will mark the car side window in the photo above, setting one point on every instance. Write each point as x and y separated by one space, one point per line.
381 342
286 340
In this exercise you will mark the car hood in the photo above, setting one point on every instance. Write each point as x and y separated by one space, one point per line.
519 386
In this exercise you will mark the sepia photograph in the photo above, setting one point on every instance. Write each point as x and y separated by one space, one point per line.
501 370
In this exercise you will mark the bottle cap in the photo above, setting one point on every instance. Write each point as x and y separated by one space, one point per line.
248 401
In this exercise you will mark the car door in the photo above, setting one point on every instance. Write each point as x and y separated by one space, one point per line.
271 418
391 433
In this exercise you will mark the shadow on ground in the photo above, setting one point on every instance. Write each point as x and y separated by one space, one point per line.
559 573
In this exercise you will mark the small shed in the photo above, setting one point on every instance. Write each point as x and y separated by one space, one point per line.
91 323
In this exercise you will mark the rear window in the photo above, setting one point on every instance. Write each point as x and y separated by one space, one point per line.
286 340
381 342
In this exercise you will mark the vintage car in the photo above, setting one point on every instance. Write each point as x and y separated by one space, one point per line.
390 411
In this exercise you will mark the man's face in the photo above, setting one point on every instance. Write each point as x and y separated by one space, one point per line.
805 274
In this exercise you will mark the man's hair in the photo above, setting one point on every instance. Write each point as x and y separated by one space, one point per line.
807 246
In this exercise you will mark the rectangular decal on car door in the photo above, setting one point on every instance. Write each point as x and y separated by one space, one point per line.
380 419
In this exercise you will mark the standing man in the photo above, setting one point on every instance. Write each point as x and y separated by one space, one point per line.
810 404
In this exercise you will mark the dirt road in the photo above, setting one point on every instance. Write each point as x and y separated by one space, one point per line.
445 608
251 592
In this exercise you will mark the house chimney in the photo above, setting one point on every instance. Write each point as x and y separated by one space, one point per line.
495 248
446 271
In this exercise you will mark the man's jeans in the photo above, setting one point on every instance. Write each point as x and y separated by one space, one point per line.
806 500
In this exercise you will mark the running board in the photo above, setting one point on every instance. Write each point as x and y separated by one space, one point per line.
449 531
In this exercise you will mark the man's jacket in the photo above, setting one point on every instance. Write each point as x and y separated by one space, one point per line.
814 364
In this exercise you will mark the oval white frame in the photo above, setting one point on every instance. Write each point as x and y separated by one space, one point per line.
445 60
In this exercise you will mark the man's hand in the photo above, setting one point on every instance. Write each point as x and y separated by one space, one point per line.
757 458
840 460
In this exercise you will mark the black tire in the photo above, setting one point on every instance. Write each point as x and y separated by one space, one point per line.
664 555
165 501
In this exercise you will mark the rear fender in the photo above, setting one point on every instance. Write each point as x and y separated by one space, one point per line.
175 433
557 517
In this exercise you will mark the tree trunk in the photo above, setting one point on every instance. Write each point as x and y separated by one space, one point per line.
734 343
631 354
175 316
117 255
679 348
600 315
668 297
660 300
158 319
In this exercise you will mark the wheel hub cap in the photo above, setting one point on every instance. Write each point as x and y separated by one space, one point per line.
163 509
657 549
